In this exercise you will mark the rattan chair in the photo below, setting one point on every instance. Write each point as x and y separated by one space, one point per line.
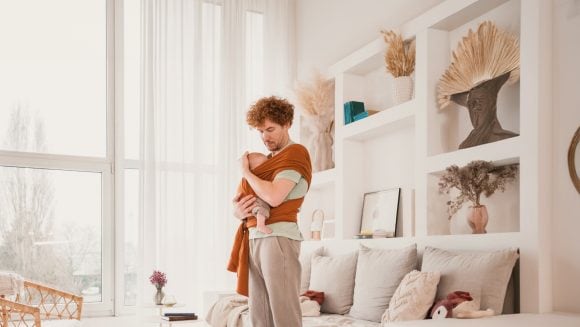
37 303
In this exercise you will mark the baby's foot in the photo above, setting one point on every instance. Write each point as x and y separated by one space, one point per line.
264 229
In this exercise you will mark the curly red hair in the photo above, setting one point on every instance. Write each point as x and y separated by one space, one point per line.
278 110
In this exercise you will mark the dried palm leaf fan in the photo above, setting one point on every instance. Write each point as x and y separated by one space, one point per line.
482 63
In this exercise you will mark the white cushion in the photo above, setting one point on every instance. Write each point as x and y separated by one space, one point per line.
413 298
335 277
483 274
305 262
334 320
378 274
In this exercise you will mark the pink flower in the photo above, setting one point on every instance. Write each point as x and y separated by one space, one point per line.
158 279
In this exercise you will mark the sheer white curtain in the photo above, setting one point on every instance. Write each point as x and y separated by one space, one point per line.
204 63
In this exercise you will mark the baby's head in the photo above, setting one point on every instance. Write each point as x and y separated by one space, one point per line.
256 159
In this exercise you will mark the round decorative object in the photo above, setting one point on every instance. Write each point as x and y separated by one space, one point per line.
574 160
169 300
403 89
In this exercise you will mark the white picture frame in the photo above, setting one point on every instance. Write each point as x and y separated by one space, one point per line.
379 214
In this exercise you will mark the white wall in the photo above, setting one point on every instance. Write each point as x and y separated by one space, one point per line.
328 30
566 119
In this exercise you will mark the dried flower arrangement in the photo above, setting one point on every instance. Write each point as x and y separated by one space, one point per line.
476 178
158 278
316 99
400 56
317 103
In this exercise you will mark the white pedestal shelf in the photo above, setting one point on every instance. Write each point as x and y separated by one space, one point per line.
402 115
323 178
408 145
503 152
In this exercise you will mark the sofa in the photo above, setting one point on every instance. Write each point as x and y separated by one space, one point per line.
373 283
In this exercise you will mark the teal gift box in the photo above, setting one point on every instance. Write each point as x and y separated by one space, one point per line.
351 109
360 116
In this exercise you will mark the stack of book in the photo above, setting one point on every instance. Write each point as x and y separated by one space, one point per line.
351 109
354 110
177 316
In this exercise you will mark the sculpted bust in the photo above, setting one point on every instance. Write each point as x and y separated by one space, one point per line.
481 101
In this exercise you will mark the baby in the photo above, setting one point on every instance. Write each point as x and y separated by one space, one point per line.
262 210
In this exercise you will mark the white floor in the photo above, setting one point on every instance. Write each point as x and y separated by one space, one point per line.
131 321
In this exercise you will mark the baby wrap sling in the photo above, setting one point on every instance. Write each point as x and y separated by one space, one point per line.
293 157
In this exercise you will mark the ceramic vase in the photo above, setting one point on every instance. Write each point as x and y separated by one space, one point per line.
477 219
403 89
158 297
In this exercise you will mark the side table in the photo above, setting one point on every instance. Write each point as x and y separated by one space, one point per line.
162 322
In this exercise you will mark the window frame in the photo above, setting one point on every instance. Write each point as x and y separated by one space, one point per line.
103 165
111 167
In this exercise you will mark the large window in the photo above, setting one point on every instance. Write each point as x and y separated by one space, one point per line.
51 227
53 66
56 145
69 149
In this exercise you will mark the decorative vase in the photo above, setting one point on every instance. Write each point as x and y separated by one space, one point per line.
316 224
477 219
320 142
158 298
403 89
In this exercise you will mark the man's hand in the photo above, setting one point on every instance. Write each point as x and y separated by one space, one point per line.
244 163
243 206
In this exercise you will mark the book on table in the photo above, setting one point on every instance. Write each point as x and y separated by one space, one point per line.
177 316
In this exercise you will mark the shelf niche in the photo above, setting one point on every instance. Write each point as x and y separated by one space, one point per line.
503 209
320 197
448 127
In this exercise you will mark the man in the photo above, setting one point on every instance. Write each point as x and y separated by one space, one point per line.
267 264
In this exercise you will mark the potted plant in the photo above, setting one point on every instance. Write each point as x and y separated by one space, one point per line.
158 279
400 62
476 178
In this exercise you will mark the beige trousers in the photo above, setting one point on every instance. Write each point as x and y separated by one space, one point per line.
275 282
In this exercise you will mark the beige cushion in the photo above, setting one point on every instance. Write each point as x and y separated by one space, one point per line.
483 274
335 277
413 298
378 273
305 262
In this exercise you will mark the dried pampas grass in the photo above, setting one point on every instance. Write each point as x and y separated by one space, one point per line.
400 56
316 99
317 103
481 56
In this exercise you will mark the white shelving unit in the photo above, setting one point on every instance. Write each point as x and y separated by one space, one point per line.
410 144
381 123
323 179
503 152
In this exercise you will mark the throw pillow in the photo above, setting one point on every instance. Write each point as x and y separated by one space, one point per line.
305 262
378 274
413 298
484 275
335 277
